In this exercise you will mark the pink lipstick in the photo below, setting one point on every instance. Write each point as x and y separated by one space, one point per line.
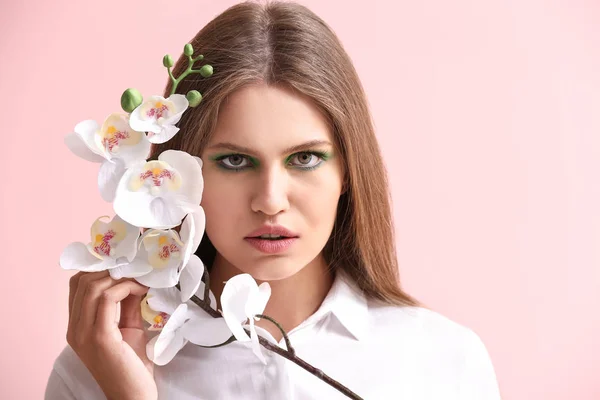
271 246
272 239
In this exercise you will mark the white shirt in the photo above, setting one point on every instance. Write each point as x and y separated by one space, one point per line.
379 352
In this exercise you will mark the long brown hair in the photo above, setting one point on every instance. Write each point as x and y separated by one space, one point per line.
284 43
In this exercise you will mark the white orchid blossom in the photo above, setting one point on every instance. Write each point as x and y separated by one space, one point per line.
158 117
113 246
114 144
163 310
159 193
170 257
241 300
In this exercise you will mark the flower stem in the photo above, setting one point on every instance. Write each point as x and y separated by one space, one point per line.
303 364
231 339
205 305
288 354
206 277
185 73
288 344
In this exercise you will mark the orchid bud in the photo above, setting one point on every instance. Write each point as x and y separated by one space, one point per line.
131 99
188 50
193 97
168 61
206 70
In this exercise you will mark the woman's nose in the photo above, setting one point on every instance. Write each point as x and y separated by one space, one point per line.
270 193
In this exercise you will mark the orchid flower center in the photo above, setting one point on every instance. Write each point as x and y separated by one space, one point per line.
102 244
106 237
157 320
159 110
157 177
112 137
164 248
116 132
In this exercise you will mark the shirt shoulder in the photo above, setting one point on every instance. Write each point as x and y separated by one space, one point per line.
418 322
70 379
439 345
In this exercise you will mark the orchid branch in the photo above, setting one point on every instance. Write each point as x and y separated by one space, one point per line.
188 50
288 344
288 354
206 277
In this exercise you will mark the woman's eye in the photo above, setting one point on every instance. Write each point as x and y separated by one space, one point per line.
306 160
235 161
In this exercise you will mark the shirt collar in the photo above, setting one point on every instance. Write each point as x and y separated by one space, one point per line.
348 304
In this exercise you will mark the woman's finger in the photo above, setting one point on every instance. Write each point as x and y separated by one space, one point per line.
131 312
82 286
91 300
73 282
107 308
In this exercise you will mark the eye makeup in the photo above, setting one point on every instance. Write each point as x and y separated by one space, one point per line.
253 162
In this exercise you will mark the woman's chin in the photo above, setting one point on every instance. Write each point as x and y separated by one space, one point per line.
275 271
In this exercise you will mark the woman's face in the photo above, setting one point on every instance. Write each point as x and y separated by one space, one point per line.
270 161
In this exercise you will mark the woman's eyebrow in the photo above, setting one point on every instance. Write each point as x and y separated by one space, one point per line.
292 149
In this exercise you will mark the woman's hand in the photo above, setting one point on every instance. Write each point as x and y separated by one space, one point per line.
115 353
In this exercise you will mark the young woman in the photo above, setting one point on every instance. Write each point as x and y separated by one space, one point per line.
288 148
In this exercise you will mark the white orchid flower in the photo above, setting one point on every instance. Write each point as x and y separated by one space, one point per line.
203 329
113 245
170 258
158 194
241 300
163 310
114 144
158 117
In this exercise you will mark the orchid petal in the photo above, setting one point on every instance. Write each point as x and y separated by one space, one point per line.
181 104
199 161
170 340
164 300
87 131
187 234
76 144
166 133
130 270
255 343
190 277
258 300
108 178
190 171
129 245
206 331
140 125
235 295
77 256
199 227
134 154
160 278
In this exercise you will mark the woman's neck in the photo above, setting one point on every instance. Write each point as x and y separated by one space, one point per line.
293 299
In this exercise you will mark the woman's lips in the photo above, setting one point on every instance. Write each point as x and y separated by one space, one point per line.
271 246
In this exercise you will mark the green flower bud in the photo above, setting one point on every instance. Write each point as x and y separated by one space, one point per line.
131 99
193 97
168 61
188 50
206 70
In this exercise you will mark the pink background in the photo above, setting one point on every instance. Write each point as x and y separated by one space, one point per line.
488 116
